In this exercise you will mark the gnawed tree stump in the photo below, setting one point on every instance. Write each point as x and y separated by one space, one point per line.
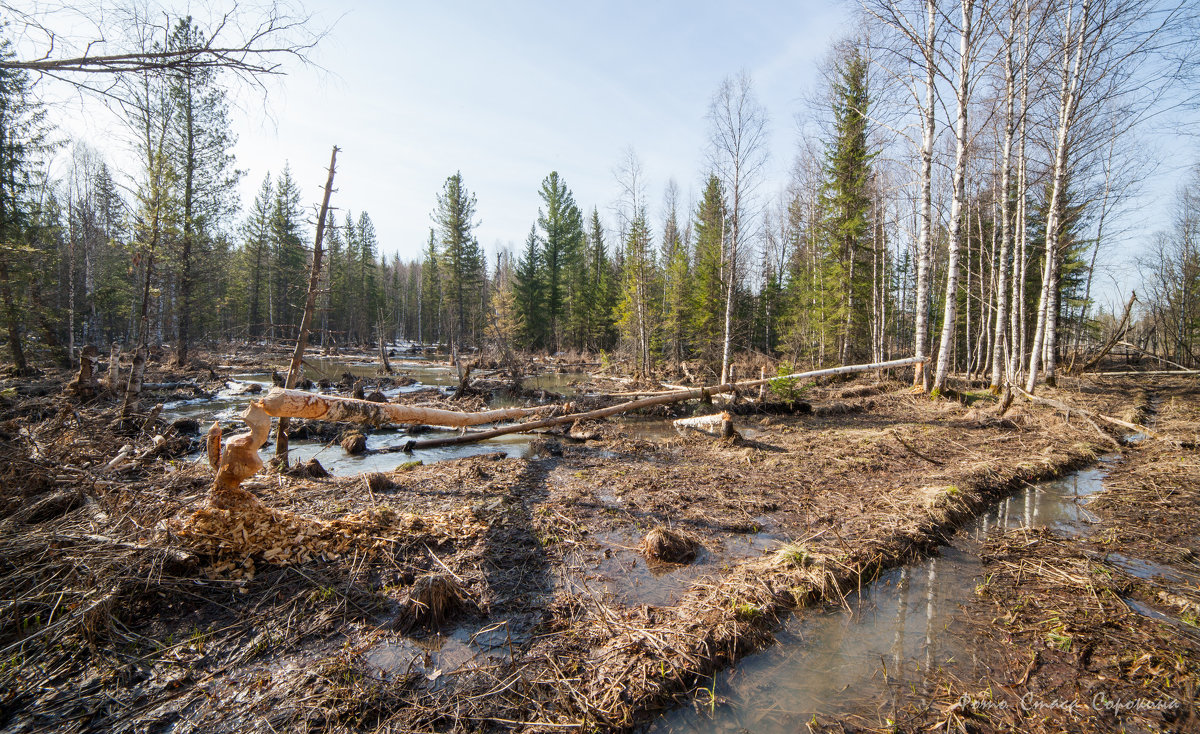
354 443
238 460
114 369
85 384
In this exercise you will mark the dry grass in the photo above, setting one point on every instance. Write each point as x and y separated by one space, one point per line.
672 546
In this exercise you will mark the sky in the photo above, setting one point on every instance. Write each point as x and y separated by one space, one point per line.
507 92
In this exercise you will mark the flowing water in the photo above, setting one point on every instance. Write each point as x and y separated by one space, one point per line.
888 634
228 403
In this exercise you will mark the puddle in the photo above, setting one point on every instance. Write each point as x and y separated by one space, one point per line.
888 634
1147 611
621 571
446 654
1144 569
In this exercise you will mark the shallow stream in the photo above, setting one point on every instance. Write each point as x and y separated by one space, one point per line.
229 402
888 635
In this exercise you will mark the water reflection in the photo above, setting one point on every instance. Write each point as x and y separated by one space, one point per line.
860 656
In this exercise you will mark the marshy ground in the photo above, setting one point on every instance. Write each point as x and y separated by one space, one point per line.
496 593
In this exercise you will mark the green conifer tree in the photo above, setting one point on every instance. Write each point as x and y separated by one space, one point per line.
846 203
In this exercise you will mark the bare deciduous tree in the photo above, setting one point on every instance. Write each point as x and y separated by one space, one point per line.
738 150
111 38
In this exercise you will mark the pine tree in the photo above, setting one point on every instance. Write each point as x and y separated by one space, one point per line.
200 140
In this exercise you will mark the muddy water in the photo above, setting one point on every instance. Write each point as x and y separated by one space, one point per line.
229 402
857 657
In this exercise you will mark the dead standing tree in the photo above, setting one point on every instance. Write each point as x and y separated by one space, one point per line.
314 282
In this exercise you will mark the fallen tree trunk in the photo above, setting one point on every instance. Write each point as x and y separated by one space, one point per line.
1152 355
1068 409
718 424
282 403
1113 340
1139 373
675 396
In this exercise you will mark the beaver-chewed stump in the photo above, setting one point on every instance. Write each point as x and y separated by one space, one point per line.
672 546
431 601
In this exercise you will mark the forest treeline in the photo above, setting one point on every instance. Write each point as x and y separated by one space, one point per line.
961 178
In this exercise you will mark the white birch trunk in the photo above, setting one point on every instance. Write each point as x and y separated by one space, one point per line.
925 224
956 202
1005 208
1045 334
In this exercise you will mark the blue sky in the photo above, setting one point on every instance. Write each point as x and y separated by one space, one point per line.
507 92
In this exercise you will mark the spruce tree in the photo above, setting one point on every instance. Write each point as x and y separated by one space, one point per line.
461 258
368 285
256 254
562 240
846 204
676 286
429 325
707 281
602 289
289 252
636 311
528 295
22 143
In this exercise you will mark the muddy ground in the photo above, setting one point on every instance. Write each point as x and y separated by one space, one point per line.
129 604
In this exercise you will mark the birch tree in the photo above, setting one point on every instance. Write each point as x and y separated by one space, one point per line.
918 29
967 51
737 139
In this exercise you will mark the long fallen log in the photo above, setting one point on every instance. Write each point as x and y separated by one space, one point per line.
1068 409
282 403
675 396
1147 373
